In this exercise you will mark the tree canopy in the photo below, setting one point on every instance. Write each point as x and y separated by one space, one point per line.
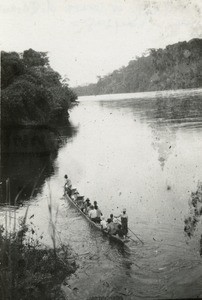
178 66
32 92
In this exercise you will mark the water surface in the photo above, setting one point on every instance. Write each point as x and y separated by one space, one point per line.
141 152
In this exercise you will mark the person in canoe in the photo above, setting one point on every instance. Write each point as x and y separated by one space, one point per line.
111 227
86 206
92 213
67 186
120 231
99 214
124 222
103 223
112 217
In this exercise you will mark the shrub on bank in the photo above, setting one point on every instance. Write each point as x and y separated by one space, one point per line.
30 271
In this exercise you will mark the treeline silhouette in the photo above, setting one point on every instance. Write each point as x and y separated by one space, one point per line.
31 91
178 66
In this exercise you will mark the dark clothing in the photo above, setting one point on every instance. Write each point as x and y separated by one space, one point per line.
124 223
69 191
97 220
94 220
120 232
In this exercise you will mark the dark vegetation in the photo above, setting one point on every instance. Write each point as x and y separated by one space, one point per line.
34 120
178 66
30 270
195 214
34 109
31 91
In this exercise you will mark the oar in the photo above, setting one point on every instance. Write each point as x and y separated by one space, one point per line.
134 234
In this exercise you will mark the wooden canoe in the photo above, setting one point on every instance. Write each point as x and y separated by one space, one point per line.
96 225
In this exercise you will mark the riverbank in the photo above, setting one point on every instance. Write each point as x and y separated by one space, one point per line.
172 68
29 269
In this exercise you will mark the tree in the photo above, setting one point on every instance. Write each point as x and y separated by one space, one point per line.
176 66
32 58
11 67
32 92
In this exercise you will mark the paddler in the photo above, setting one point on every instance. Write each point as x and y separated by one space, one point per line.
124 222
67 186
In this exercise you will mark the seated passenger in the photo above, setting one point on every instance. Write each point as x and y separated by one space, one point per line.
99 214
89 207
103 223
82 206
79 200
120 231
92 213
111 228
74 194
86 204
112 217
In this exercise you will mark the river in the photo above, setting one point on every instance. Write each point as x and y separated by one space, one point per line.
141 152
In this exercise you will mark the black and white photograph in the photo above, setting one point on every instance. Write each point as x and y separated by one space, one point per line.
101 149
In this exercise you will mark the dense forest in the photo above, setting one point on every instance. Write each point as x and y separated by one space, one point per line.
32 93
178 66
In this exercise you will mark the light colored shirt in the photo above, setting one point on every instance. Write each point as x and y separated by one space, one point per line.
88 209
92 213
103 223
68 183
74 197
122 215
99 213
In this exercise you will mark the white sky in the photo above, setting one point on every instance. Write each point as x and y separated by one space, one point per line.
87 38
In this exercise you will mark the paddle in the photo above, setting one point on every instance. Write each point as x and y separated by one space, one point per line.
134 234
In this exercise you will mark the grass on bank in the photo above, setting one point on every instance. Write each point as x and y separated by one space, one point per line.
29 269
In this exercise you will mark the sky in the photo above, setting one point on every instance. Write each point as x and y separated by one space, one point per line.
89 38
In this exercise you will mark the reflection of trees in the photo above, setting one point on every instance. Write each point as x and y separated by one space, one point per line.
172 108
25 152
165 114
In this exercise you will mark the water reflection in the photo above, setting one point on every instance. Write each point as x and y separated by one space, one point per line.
124 155
164 115
25 153
170 109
